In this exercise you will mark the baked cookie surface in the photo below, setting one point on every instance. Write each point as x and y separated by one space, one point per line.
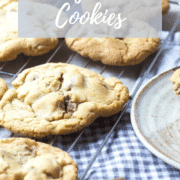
58 98
26 159
10 44
175 78
3 88
115 52
165 6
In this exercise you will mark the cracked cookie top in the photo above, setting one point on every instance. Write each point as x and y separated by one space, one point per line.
114 52
26 159
10 44
58 98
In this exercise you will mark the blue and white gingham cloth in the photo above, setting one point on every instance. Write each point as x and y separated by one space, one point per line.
123 155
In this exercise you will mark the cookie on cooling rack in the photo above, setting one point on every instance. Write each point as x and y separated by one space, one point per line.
165 6
114 52
58 98
3 88
10 44
23 158
175 78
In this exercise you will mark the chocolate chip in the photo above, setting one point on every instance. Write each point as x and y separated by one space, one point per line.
61 105
72 107
69 105
61 78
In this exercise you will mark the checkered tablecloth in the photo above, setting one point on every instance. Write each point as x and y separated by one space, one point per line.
123 155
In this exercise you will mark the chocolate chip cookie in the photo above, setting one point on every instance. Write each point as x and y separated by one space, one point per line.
114 52
10 44
26 159
58 98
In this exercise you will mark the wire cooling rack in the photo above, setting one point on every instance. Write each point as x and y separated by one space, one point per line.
10 70
132 77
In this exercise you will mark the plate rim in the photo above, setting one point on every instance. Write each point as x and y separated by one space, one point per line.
136 127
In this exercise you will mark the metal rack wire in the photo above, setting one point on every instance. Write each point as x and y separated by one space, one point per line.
23 62
175 2
10 70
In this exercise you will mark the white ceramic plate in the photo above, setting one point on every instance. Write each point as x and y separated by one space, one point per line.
155 117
